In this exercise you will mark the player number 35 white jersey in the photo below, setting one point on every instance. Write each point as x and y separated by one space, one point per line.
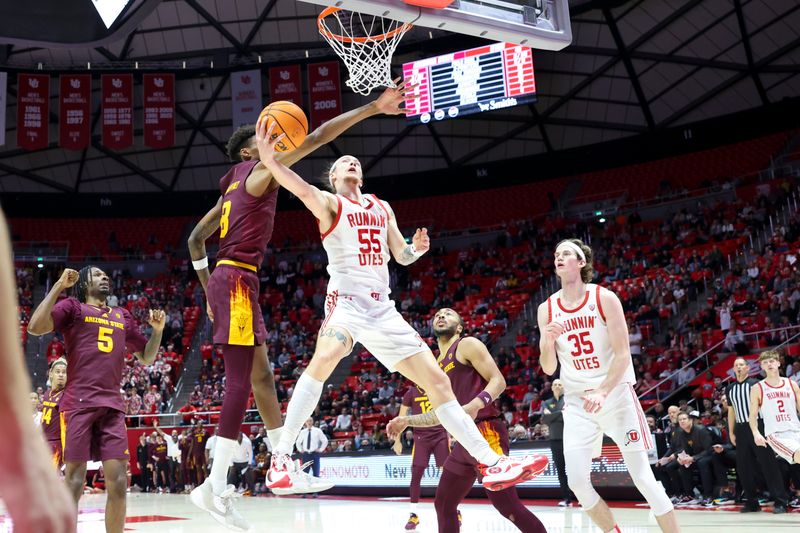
358 247
584 349
778 407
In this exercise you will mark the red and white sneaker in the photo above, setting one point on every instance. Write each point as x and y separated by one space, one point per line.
279 469
510 471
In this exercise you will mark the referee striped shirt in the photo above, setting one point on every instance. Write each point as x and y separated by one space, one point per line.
738 394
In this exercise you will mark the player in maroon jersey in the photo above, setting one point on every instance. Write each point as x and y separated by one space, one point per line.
92 409
427 441
245 214
199 437
51 418
160 463
476 382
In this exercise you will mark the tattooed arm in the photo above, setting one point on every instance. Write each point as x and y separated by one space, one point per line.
197 240
339 335
397 425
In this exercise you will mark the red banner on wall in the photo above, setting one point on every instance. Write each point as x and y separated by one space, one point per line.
159 110
117 105
284 84
324 92
33 111
74 111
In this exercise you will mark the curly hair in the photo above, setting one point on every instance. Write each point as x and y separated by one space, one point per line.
587 272
84 280
240 138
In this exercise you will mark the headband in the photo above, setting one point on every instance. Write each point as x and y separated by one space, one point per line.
574 247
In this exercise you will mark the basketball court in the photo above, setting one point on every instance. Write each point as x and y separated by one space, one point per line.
165 513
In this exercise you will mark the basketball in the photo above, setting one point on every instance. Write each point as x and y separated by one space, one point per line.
289 119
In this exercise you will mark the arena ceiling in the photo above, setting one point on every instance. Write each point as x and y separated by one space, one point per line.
633 67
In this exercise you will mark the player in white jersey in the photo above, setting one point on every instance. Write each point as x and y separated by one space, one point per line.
778 399
583 328
358 233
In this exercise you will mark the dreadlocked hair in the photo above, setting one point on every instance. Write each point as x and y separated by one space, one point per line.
84 279
238 140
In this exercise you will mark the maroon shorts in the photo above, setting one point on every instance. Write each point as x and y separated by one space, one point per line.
233 298
57 453
94 434
424 447
496 434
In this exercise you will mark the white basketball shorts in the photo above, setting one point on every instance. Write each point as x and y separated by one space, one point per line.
621 418
374 321
785 443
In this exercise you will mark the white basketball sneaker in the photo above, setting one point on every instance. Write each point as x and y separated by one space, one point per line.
300 481
510 471
219 507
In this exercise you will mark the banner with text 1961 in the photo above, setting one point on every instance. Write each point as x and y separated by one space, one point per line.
245 97
33 111
159 110
284 84
74 109
324 92
117 104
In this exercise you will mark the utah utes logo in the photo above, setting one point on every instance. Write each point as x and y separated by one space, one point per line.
591 307
75 83
323 71
116 82
33 82
246 80
158 82
285 75
632 436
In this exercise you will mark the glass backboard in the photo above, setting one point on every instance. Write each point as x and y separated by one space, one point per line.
542 24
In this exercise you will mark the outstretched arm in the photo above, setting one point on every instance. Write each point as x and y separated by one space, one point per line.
549 333
387 103
475 353
322 204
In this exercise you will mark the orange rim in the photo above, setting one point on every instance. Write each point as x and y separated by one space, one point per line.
344 39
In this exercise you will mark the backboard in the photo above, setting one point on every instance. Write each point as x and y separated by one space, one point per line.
542 24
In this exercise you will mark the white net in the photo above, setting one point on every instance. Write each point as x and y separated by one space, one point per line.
365 43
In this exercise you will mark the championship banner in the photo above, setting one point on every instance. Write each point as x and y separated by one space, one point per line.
33 111
159 110
3 87
245 97
324 92
284 84
117 107
74 111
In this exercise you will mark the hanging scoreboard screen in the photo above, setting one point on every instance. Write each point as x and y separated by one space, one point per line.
471 81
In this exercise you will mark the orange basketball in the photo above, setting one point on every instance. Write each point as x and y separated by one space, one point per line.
289 119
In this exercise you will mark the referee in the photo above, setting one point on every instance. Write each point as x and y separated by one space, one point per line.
738 395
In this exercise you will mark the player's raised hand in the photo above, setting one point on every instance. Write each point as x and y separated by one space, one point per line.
68 278
395 427
421 241
389 101
264 141
594 401
157 318
553 331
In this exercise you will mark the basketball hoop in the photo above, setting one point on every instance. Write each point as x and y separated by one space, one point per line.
365 43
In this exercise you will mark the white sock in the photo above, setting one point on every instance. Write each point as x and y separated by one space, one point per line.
305 398
459 424
274 436
223 456
412 508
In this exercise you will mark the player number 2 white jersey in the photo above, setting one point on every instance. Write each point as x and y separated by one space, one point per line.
584 349
357 245
778 407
